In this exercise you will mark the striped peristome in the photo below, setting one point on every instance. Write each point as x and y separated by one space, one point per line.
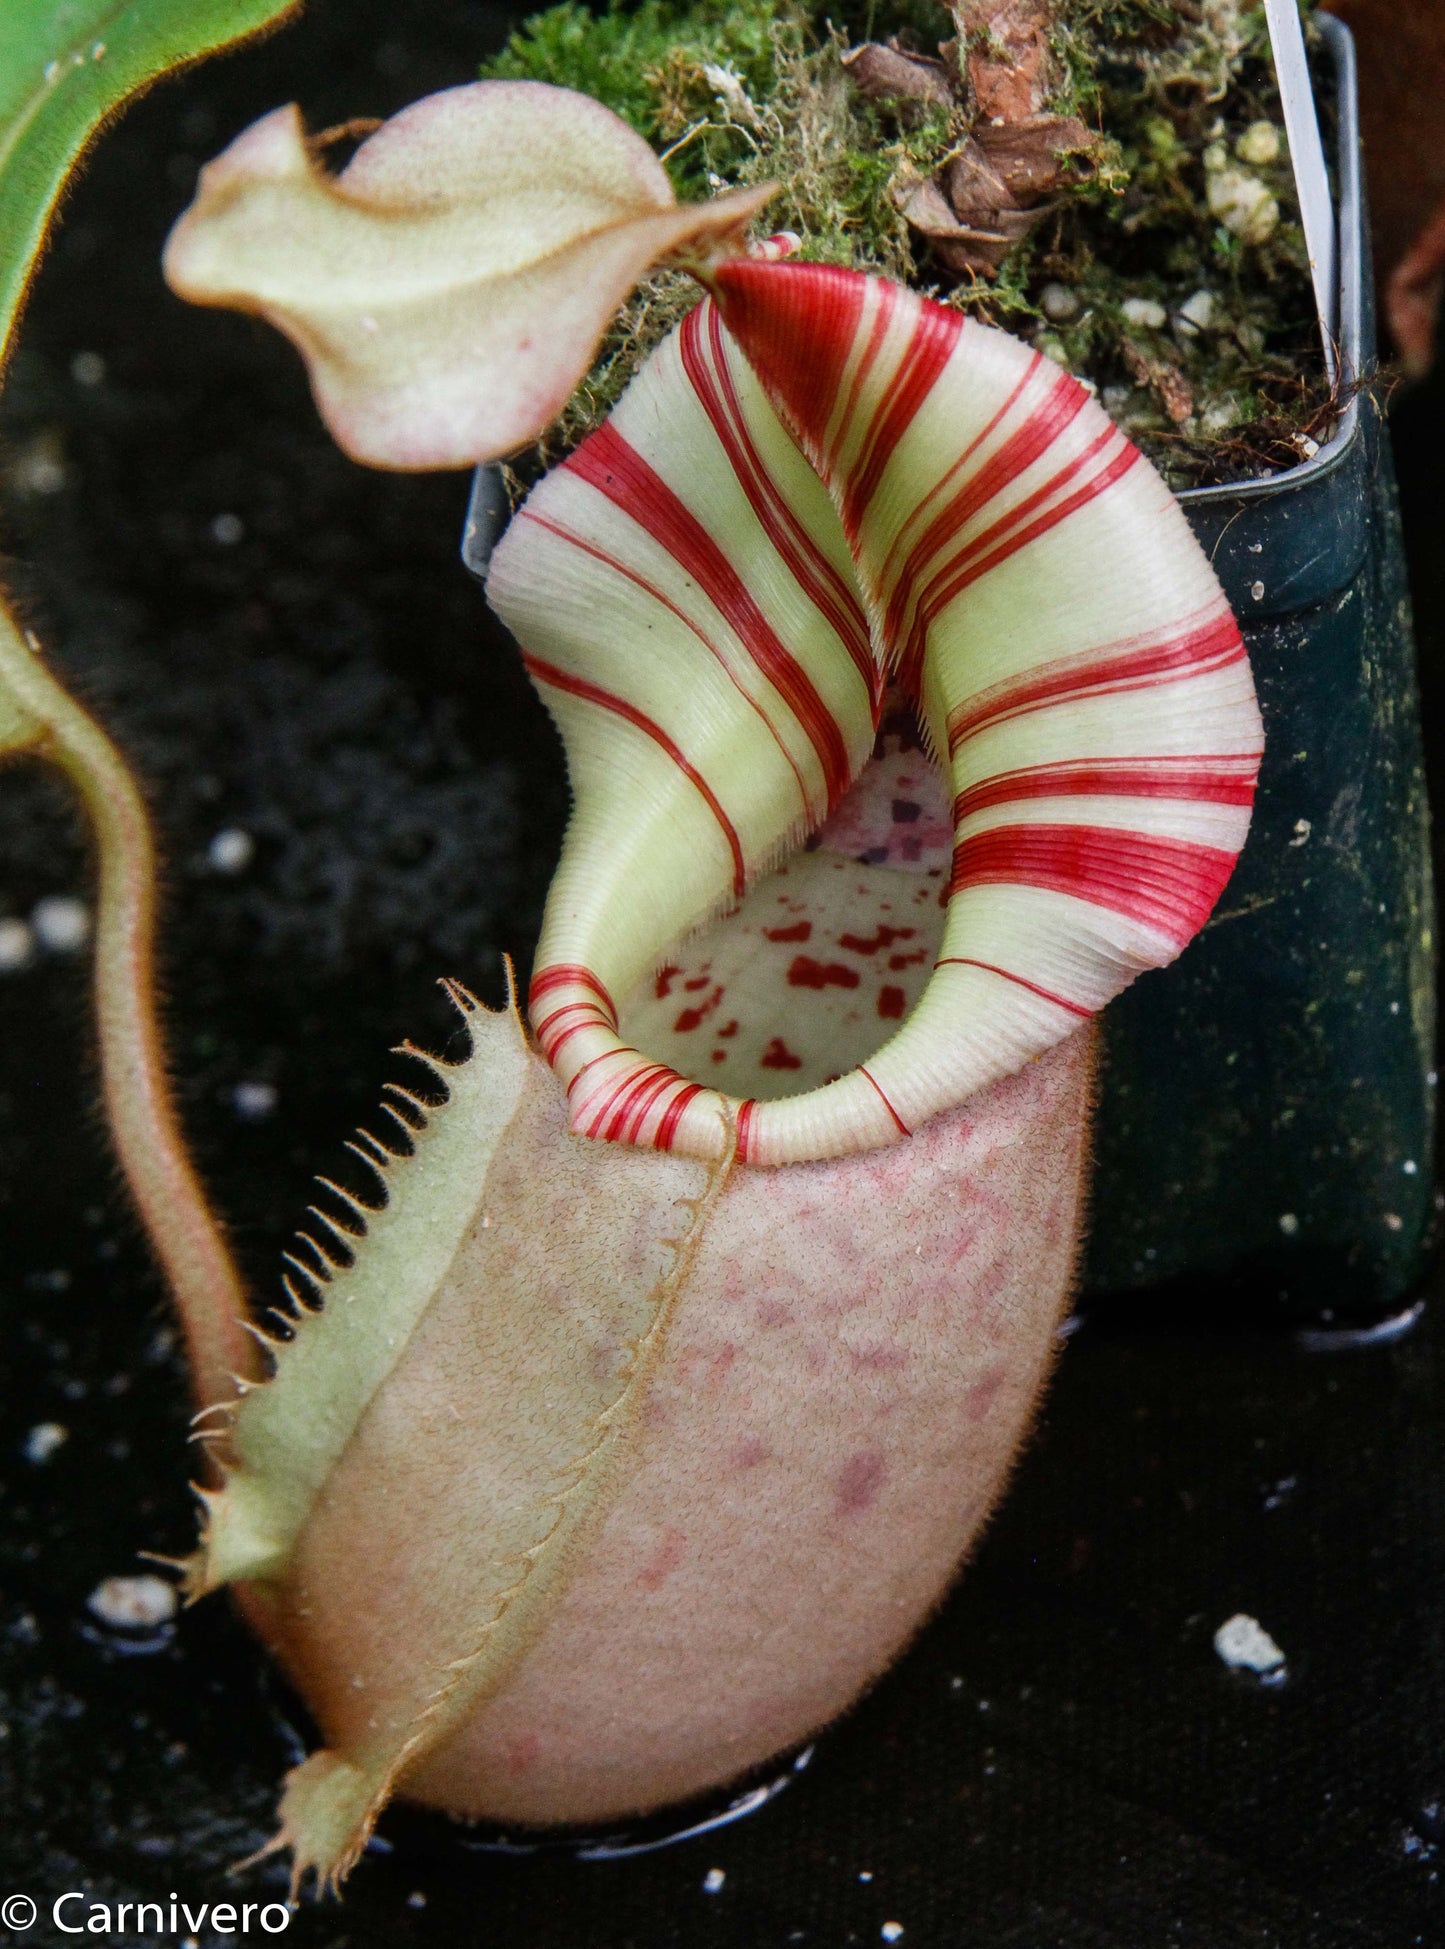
811 448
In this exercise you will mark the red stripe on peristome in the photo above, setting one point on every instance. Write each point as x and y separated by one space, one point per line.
1164 883
841 413
1132 665
1108 476
940 486
796 324
882 1098
607 1055
745 1128
592 1018
590 1009
971 565
1018 453
1058 409
554 1051
672 1117
1200 781
620 1105
712 381
607 462
569 974
591 693
644 1108
1007 974
587 1116
929 350
640 581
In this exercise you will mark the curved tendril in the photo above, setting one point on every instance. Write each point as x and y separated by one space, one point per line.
138 1102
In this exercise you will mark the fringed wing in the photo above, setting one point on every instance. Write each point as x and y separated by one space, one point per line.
449 1421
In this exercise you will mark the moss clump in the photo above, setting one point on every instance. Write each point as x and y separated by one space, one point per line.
649 64
1167 268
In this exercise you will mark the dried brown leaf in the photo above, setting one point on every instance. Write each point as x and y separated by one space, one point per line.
1011 67
892 74
1030 158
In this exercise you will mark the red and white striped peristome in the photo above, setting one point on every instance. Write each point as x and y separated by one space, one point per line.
711 617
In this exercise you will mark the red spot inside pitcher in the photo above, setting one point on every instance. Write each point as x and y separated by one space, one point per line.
808 973
885 937
693 1018
859 1481
778 1055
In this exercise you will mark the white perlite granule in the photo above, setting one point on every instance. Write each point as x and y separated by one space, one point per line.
61 923
231 851
253 1102
1243 1642
17 946
1146 312
43 1440
133 1603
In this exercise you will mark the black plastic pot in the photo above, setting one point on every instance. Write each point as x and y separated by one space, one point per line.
1265 1129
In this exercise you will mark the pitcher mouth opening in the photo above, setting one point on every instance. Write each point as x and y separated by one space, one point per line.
826 956
791 989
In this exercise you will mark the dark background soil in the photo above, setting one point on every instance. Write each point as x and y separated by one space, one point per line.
1062 1759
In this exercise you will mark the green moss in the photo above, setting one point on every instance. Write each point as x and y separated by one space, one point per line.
647 62
739 91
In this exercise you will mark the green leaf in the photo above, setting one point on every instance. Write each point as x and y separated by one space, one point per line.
66 66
